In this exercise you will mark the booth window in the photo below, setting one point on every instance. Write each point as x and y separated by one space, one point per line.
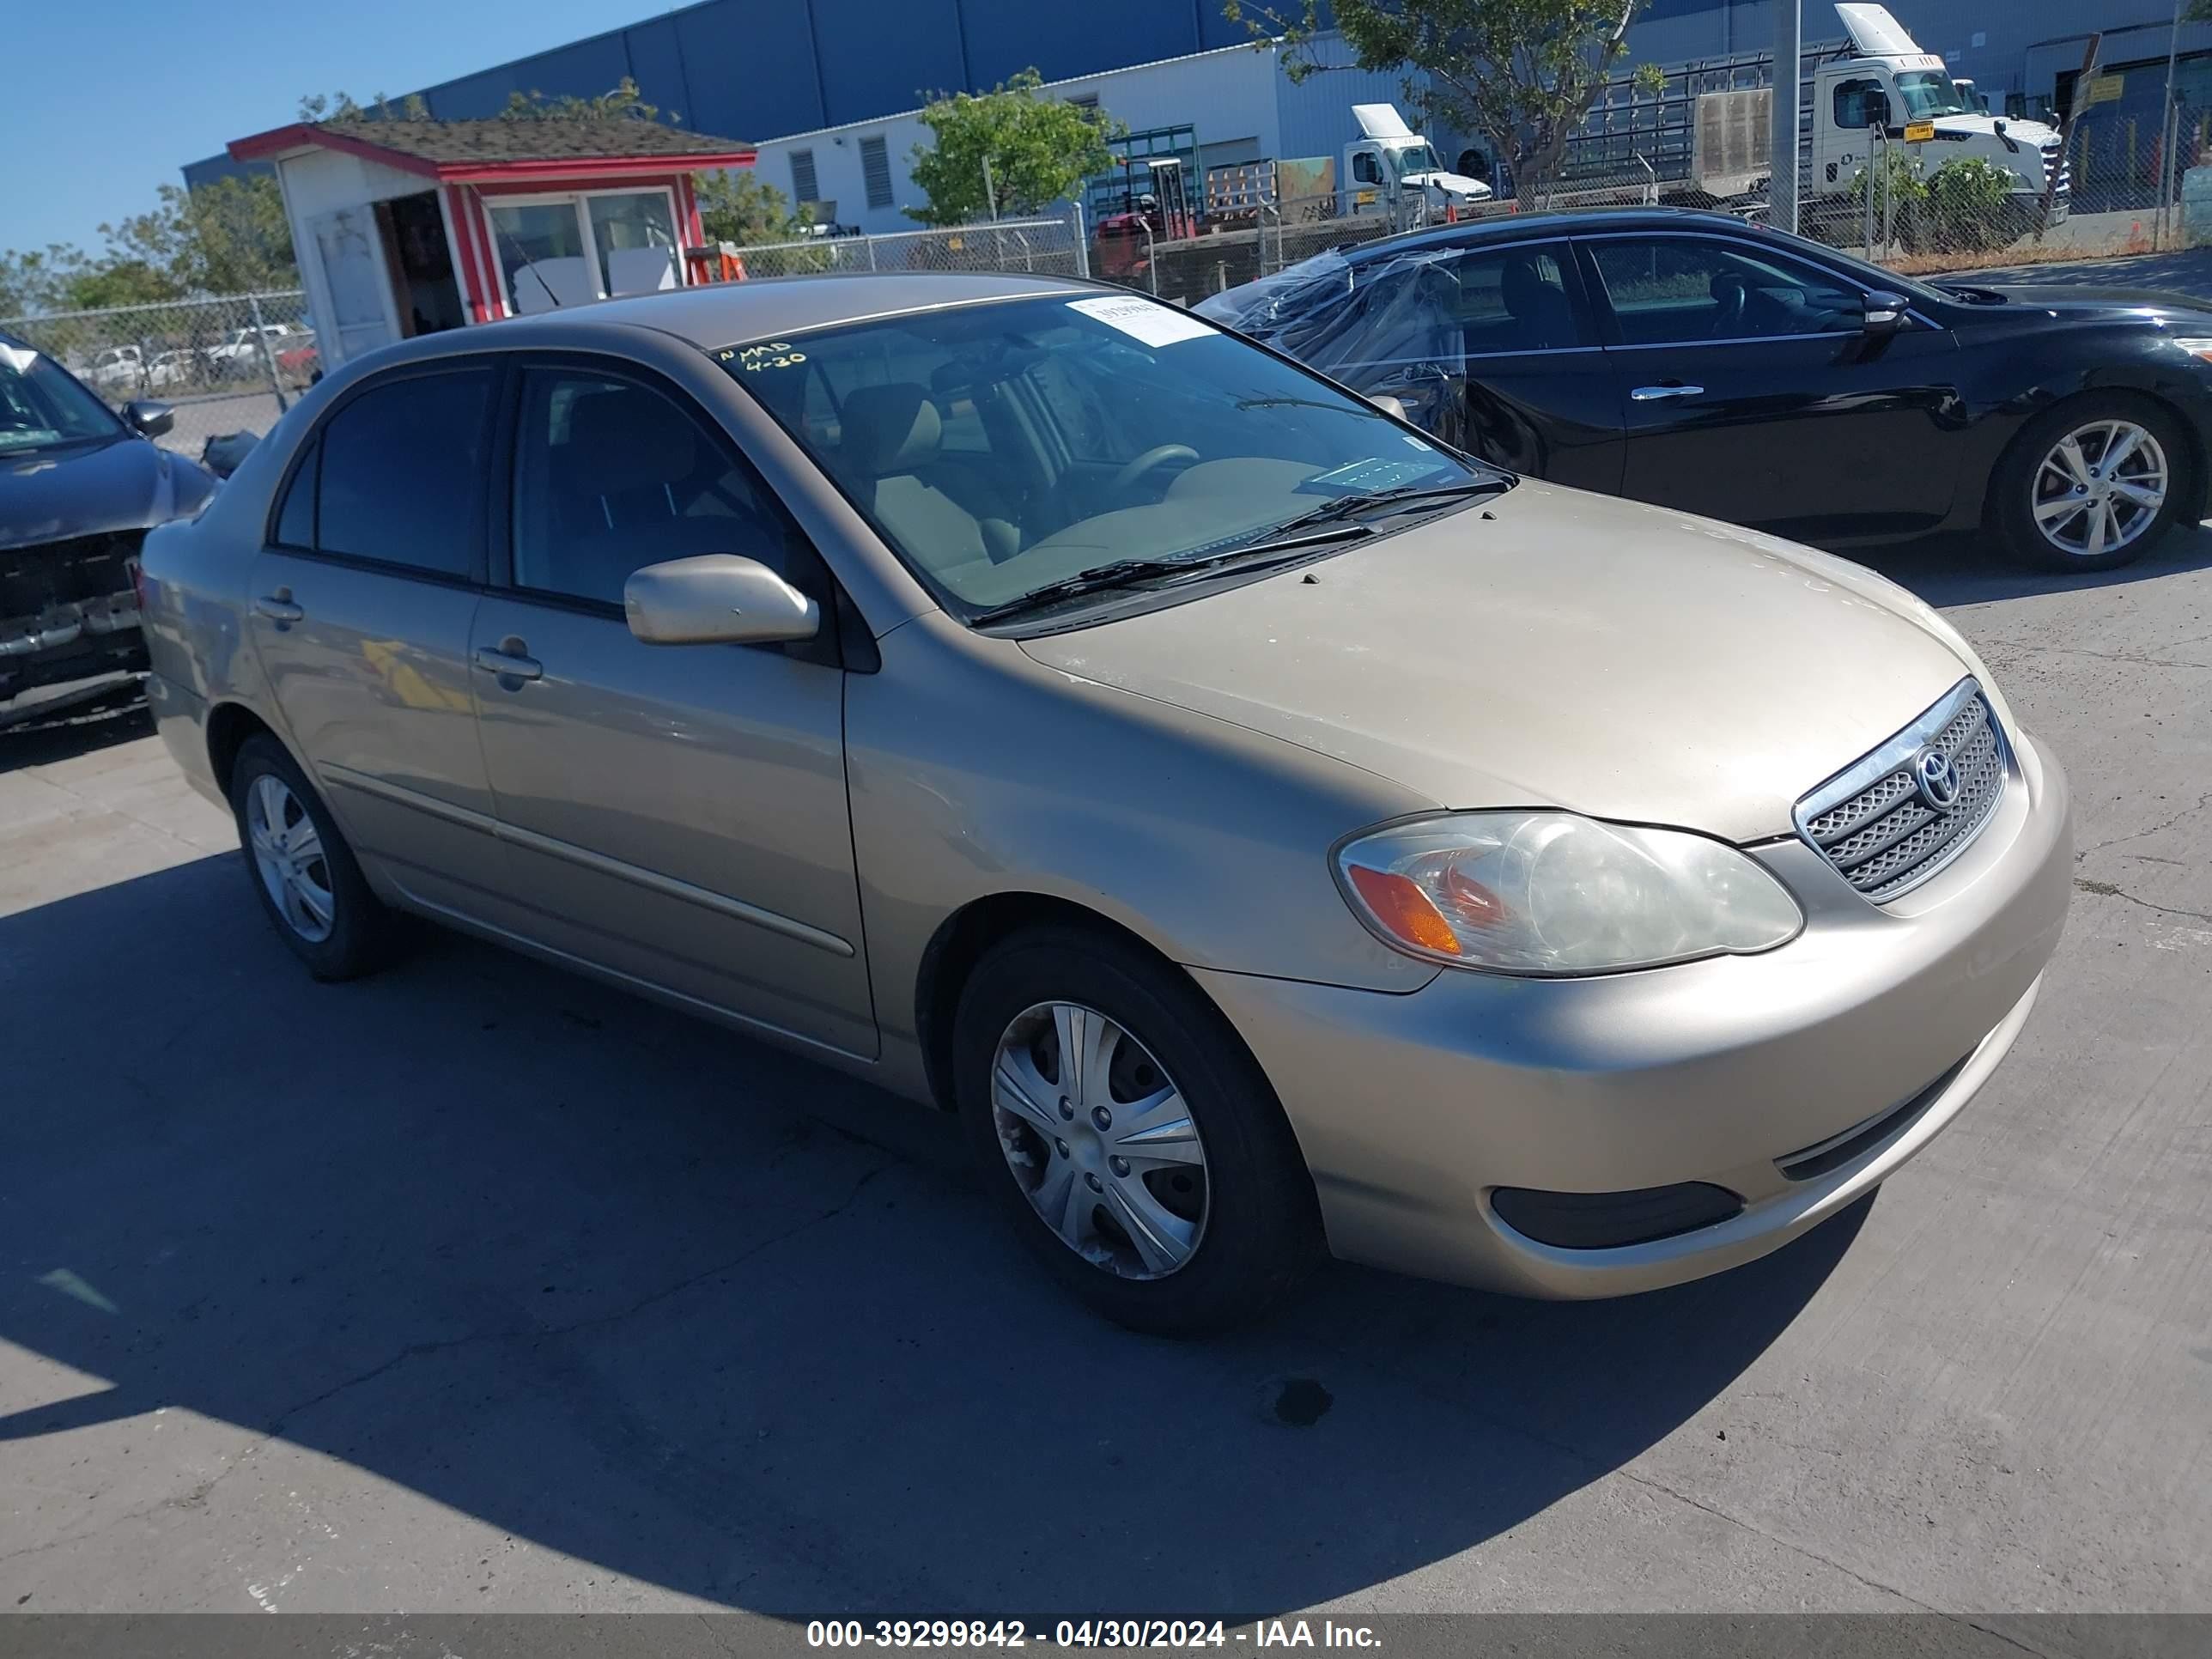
566 250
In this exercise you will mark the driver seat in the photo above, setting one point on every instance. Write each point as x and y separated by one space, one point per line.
1541 306
891 441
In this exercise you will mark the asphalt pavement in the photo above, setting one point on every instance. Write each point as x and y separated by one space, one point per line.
476 1287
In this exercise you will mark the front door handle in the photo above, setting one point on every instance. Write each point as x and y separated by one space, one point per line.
1660 394
278 606
509 661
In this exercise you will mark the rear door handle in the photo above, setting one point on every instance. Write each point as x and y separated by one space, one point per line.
1660 394
507 665
278 606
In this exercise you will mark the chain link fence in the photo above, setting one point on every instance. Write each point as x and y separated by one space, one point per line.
1045 247
222 365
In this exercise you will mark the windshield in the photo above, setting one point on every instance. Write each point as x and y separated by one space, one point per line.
1420 157
40 405
1004 448
1928 93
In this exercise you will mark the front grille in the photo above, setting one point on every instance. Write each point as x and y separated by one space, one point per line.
1878 824
34 580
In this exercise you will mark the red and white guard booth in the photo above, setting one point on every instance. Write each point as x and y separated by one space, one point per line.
406 227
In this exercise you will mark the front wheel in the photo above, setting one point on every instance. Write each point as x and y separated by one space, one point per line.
1133 1143
2092 484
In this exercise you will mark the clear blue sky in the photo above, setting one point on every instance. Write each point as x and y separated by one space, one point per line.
107 99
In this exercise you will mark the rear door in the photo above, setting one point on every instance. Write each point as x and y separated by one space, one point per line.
1753 393
361 601
674 813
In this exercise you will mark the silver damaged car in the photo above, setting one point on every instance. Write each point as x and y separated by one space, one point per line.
1271 832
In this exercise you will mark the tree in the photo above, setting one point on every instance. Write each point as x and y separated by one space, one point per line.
739 206
1523 73
624 103
1037 150
36 279
229 237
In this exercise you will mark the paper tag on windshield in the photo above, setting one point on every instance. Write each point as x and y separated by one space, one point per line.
1143 319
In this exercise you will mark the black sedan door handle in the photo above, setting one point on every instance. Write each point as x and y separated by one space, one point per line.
508 662
1658 394
278 606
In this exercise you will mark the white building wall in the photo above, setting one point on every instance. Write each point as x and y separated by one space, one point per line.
1227 96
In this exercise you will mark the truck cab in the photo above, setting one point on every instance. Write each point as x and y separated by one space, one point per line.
1391 169
1890 84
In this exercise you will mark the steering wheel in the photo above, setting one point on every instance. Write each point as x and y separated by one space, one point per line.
1157 456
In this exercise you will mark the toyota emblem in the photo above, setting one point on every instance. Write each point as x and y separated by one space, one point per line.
1937 778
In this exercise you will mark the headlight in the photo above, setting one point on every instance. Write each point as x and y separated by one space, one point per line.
1552 893
2197 348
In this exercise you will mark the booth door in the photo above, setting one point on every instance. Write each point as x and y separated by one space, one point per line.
360 289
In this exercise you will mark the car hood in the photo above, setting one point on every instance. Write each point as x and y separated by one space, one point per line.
1572 650
92 490
1457 183
2030 136
2138 304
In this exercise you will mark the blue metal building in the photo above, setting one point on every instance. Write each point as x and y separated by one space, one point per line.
764 70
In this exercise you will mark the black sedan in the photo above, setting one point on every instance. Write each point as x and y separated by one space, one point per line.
1691 361
79 488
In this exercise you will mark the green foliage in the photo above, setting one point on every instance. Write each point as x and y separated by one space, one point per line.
624 103
229 237
1523 73
1967 206
1037 150
740 206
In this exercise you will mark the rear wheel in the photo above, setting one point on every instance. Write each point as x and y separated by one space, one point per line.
1132 1142
2092 484
303 872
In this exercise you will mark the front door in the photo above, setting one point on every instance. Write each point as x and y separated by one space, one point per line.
673 814
1752 393
361 606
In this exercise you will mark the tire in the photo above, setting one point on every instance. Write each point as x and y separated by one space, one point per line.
1243 1216
359 934
2030 479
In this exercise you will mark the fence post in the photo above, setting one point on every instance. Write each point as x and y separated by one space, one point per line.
1871 135
870 241
1152 260
267 360
1082 243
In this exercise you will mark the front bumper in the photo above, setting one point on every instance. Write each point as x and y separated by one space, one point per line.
65 645
1413 1109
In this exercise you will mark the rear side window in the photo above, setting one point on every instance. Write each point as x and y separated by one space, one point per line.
295 520
401 472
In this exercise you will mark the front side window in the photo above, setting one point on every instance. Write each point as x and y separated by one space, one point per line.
1105 429
41 407
1861 104
1675 290
611 476
1364 170
401 474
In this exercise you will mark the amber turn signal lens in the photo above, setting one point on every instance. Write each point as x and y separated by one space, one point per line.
1399 905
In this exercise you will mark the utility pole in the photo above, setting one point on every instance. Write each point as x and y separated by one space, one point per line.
2168 131
1789 65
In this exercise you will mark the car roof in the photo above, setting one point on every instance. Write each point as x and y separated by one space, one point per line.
1524 226
724 313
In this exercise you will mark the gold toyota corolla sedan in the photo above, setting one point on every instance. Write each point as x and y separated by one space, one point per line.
1270 831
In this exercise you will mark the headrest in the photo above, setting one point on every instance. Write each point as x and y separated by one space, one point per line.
890 429
1523 286
635 439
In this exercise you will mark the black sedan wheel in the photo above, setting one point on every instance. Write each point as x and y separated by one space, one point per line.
2092 484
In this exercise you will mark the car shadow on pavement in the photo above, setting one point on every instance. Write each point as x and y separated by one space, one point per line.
1973 570
634 1289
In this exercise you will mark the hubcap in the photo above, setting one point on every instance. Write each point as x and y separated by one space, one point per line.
2100 488
1099 1139
287 851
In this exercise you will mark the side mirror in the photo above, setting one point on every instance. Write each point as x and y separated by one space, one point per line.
1395 407
716 598
148 419
1885 313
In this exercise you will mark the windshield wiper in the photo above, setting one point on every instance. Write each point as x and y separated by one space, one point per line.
1349 507
1129 573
